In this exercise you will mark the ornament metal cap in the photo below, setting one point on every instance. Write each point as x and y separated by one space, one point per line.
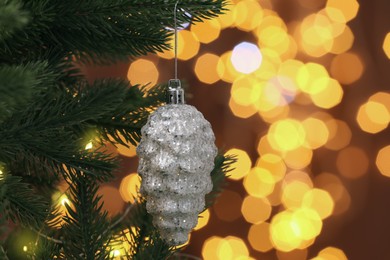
175 93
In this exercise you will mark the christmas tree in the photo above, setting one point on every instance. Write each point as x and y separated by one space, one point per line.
49 112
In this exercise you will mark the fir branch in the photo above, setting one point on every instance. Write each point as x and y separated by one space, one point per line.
12 18
223 165
86 223
22 204
3 254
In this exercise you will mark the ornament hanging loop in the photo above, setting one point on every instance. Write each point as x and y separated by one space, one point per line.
175 93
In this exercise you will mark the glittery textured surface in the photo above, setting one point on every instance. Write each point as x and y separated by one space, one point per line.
176 154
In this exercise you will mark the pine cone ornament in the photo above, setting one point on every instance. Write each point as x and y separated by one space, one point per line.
176 154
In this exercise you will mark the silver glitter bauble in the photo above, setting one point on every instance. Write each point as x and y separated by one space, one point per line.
176 154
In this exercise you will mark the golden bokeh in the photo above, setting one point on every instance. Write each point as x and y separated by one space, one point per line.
320 201
274 164
347 68
386 45
352 162
349 8
331 253
373 117
112 200
317 133
383 162
259 237
286 135
259 182
256 210
129 187
203 219
207 31
243 165
142 71
206 68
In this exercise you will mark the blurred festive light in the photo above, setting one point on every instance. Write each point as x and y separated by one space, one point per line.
383 162
242 166
269 65
210 247
343 42
142 71
256 210
88 146
297 254
373 117
316 33
264 147
112 200
206 68
330 95
293 193
274 38
203 219
129 187
308 77
274 114
226 19
246 90
64 200
320 201
382 98
259 237
349 8
286 135
228 205
290 68
352 162
298 158
274 164
247 14
246 57
233 248
271 18
347 68
331 253
280 90
289 229
339 134
207 31
25 249
190 44
317 133
259 182
240 110
275 197
386 45
225 68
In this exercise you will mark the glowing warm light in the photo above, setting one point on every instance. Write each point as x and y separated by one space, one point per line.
1 175
259 237
64 200
274 164
259 182
25 248
330 95
190 44
246 90
142 72
256 210
293 193
332 253
308 77
207 31
280 91
210 248
317 133
206 68
275 114
373 117
226 19
320 201
349 8
246 57
317 35
275 38
225 69
112 200
240 110
115 253
386 45
228 205
203 219
242 166
264 147
129 187
382 98
352 162
298 158
233 248
290 229
347 68
339 134
383 162
247 14
88 146
286 135
343 42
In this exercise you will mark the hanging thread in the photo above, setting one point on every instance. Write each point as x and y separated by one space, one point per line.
175 29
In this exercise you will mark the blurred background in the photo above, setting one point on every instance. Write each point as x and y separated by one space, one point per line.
299 91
